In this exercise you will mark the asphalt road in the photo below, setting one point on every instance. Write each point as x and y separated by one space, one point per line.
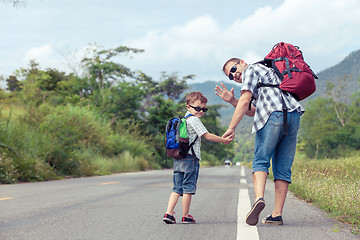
131 206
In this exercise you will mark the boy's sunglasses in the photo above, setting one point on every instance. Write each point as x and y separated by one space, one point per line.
198 109
232 70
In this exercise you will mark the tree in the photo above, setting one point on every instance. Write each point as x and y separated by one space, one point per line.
104 75
172 87
122 101
318 121
13 84
32 94
330 126
15 3
341 100
169 87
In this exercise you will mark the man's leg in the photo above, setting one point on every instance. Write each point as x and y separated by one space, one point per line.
266 140
281 189
259 179
281 164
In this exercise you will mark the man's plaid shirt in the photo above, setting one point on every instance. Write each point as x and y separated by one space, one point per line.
195 128
267 99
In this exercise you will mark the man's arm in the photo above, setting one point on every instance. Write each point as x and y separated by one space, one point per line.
228 96
241 109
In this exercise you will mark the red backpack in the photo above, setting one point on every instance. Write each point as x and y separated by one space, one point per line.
296 76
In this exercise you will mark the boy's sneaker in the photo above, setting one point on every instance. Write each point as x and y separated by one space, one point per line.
252 217
169 219
188 220
273 220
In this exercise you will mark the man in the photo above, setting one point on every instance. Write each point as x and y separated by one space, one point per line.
270 141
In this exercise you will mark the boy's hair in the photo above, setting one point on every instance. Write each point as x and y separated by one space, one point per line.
193 96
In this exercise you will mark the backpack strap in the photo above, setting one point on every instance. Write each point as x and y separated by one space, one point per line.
284 108
260 85
287 71
192 144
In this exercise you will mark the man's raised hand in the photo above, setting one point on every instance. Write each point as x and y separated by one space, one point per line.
225 94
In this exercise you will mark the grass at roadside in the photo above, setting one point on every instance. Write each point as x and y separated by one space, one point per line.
333 185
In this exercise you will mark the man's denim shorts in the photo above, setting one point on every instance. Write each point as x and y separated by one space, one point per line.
186 173
270 142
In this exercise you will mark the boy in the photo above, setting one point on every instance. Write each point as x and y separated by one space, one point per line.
186 170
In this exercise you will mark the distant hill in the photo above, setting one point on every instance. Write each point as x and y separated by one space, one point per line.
350 66
208 89
226 112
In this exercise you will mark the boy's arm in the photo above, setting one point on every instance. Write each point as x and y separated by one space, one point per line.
214 138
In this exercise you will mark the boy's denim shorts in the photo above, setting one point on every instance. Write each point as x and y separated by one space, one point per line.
270 142
186 173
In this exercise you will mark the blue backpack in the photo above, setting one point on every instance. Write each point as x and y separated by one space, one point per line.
177 141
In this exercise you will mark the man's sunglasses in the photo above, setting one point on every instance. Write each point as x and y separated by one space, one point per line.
198 109
232 70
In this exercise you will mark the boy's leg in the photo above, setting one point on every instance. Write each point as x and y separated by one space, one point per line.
186 201
177 189
189 185
174 197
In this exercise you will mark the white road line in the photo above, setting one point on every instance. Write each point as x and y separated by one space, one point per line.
244 231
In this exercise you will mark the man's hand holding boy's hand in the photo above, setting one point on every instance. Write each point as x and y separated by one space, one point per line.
229 133
229 139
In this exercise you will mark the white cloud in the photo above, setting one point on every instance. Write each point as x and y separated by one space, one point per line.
194 40
58 57
46 55
322 29
326 31
39 52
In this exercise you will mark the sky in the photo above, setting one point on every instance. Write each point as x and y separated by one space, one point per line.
184 37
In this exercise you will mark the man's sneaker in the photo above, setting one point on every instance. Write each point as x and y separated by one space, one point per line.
273 220
188 220
169 219
252 217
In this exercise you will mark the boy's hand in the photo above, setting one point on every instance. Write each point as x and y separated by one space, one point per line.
225 94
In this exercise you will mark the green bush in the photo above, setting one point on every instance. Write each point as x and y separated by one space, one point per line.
22 150
79 134
210 160
73 129
124 162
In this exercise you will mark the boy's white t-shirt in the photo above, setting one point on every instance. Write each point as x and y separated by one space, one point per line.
195 128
